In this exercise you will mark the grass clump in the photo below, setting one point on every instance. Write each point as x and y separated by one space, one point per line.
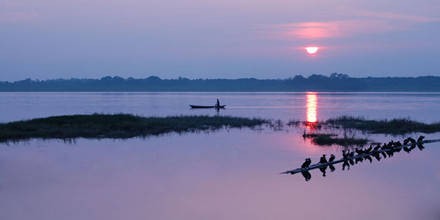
116 126
394 126
324 139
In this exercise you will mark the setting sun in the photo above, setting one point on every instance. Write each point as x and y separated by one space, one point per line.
312 50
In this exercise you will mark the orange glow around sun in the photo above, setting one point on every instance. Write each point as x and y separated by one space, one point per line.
312 50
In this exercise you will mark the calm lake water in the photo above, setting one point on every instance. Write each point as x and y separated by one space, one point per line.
227 174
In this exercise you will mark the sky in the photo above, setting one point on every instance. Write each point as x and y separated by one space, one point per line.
45 39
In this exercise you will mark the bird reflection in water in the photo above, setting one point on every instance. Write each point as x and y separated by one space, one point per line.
307 176
351 158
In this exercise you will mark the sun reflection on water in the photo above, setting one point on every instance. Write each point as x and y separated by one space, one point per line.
312 108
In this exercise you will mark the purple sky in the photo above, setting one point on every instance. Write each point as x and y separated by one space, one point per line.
223 39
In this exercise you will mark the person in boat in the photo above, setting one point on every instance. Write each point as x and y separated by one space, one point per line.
217 104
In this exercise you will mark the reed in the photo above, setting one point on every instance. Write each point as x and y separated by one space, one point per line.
117 126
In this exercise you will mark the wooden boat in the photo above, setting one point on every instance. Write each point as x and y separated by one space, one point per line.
208 106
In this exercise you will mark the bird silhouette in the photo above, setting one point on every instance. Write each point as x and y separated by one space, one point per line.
332 168
376 148
307 176
351 154
323 170
351 162
358 159
412 141
332 158
345 165
345 154
390 153
359 151
368 150
306 163
420 142
377 156
368 157
420 139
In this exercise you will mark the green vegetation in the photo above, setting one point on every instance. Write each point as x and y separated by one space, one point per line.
324 139
394 126
117 126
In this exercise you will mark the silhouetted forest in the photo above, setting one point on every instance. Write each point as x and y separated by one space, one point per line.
334 82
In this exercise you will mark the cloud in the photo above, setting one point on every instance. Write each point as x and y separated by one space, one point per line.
364 24
399 17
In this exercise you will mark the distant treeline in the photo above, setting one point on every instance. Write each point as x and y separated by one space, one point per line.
334 82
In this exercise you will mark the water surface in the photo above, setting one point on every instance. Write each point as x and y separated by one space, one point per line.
230 174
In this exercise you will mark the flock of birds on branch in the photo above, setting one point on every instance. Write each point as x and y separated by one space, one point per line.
350 158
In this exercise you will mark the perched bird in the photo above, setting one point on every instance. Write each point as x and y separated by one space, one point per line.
376 148
391 143
420 139
306 163
351 154
420 142
345 154
412 141
332 158
368 150
323 159
390 153
359 151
